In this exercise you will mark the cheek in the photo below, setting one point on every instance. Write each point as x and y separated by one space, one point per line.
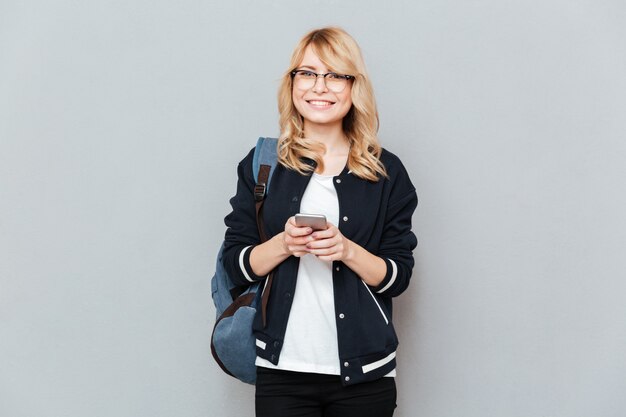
347 105
347 100
297 102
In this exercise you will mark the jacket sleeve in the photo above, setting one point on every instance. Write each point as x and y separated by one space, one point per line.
398 240
242 233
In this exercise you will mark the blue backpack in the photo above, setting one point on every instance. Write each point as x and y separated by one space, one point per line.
232 342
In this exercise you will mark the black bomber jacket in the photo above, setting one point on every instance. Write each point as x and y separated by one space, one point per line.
375 215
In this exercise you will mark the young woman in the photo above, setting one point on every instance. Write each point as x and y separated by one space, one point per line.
327 347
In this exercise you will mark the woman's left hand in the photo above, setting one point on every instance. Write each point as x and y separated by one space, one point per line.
329 244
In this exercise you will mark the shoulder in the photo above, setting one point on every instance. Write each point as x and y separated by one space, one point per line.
264 152
389 159
398 183
395 168
247 160
244 168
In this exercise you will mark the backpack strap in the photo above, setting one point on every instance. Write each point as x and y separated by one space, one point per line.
263 165
265 153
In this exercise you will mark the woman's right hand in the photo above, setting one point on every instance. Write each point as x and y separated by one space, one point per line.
295 238
292 241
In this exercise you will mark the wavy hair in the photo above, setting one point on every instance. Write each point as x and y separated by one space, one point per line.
341 54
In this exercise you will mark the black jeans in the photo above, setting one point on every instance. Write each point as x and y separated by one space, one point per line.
298 394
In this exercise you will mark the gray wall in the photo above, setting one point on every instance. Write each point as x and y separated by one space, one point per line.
121 123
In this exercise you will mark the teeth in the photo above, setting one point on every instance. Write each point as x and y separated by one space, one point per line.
320 103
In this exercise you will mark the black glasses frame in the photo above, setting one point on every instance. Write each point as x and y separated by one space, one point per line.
344 76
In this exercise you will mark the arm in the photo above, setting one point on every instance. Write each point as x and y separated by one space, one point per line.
332 245
242 233
396 246
245 258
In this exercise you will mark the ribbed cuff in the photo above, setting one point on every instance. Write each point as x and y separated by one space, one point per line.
390 277
244 265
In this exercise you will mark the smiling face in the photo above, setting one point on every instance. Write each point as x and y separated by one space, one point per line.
318 105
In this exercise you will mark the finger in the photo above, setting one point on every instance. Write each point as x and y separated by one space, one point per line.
322 234
323 251
330 231
329 225
297 248
323 243
298 240
328 258
299 231
292 228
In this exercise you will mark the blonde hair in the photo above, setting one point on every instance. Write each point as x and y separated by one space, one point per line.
339 52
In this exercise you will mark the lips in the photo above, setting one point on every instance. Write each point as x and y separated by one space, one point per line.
320 103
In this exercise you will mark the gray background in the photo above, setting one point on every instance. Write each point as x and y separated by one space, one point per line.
121 123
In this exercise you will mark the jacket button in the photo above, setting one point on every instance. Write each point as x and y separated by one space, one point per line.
276 344
345 218
337 268
273 358
347 379
338 180
288 295
341 315
294 200
346 364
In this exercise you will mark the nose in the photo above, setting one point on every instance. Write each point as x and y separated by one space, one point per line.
316 88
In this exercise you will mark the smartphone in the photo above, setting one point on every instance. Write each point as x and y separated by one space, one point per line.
314 221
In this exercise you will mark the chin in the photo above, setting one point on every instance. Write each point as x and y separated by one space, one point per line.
322 120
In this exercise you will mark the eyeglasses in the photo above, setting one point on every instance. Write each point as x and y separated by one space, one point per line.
305 79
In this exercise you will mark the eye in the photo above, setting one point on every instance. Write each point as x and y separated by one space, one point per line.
307 74
340 77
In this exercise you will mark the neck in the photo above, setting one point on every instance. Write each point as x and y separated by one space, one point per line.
331 136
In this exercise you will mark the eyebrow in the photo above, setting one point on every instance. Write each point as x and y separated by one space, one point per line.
307 67
312 69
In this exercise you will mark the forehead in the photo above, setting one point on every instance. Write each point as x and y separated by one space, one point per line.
311 60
